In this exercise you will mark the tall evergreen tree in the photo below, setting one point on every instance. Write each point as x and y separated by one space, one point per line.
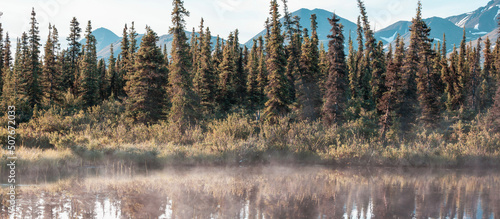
7 74
377 82
113 75
132 37
194 50
366 64
205 74
352 66
184 109
277 89
336 85
487 83
463 71
253 97
262 74
496 63
21 78
391 98
323 68
218 53
474 78
34 66
102 81
420 44
125 63
51 76
293 49
71 72
309 93
239 77
146 85
447 77
362 98
89 87
227 75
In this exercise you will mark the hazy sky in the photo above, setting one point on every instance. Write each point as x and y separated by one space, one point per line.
222 16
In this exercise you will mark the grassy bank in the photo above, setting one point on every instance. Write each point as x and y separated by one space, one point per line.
103 134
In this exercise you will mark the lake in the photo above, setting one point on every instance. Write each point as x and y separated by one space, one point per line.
264 192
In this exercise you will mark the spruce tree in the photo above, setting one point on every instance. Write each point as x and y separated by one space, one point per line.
277 89
253 97
128 65
227 74
463 72
293 50
7 74
132 47
323 68
336 85
74 46
474 78
88 81
205 75
113 77
21 78
362 97
377 82
487 84
50 76
447 79
420 45
217 54
240 73
102 81
389 102
352 66
184 102
146 85
309 93
125 63
496 64
262 74
366 63
34 66
457 95
194 50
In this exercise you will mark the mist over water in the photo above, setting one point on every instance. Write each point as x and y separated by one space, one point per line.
267 192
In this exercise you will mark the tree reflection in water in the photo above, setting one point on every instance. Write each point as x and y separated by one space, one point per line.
269 192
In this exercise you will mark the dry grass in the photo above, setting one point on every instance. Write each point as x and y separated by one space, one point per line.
104 134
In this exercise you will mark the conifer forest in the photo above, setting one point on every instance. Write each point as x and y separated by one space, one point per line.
286 98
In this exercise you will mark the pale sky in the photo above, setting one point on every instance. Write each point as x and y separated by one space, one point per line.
222 16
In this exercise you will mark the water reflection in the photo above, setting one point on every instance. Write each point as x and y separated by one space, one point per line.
269 192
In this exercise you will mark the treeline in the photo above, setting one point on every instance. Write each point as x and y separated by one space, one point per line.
285 73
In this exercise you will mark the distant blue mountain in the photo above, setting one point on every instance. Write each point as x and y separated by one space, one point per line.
324 26
104 37
439 26
479 23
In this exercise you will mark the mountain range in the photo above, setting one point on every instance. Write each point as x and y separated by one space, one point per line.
481 22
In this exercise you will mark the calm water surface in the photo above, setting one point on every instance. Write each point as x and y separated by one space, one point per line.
265 192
